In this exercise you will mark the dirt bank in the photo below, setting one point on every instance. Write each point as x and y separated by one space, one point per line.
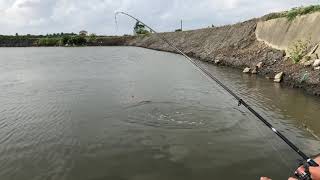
237 46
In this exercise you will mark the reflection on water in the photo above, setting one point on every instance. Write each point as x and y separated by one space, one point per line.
129 113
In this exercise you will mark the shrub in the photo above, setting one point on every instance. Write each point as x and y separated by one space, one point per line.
92 38
65 40
294 12
140 29
77 40
71 40
49 41
298 50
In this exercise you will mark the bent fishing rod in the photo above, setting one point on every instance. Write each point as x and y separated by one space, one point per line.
309 160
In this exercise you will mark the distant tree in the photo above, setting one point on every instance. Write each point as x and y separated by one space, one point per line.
65 40
140 29
49 41
17 34
92 38
77 41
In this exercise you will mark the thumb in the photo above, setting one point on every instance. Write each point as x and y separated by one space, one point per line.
315 172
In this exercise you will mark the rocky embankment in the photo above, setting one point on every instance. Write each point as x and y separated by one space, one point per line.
237 46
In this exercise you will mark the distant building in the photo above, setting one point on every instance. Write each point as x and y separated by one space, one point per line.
83 33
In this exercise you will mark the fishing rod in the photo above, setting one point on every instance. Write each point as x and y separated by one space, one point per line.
309 161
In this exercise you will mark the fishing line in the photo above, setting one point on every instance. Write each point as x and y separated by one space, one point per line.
116 22
241 102
282 158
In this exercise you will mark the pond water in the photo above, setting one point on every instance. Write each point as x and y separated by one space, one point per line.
127 113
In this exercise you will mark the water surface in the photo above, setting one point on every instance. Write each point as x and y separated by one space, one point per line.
126 113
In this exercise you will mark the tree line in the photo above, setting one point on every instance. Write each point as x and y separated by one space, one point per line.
56 39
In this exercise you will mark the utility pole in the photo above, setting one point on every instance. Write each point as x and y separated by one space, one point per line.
181 25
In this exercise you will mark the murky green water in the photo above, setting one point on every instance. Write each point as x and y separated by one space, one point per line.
125 113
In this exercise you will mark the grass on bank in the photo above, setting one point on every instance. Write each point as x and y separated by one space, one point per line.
298 50
294 12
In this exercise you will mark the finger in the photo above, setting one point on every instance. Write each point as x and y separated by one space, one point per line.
291 178
300 170
317 159
265 178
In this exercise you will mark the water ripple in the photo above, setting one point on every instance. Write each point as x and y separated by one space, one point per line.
171 115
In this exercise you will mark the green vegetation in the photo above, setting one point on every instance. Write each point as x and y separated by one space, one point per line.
17 40
56 39
304 77
294 12
59 39
62 39
298 50
41 40
140 29
49 41
92 38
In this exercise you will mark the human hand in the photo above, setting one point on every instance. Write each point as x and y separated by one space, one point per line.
314 171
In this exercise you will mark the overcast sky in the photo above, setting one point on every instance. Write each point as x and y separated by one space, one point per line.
97 16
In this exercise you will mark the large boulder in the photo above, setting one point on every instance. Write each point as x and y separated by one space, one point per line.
247 70
217 61
316 63
255 70
278 77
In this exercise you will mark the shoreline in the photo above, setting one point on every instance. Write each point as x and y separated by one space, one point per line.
236 46
288 81
232 45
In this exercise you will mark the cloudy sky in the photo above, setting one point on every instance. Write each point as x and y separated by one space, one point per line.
97 16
